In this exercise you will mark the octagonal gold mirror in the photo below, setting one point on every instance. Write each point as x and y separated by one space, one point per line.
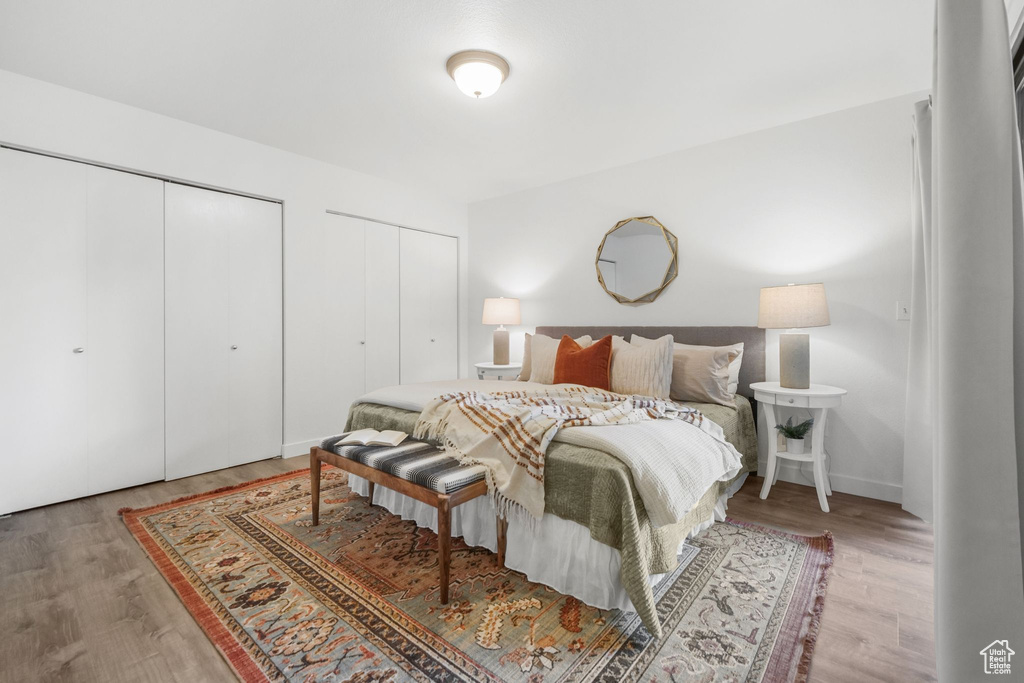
637 259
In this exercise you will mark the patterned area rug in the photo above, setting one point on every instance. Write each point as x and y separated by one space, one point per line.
356 598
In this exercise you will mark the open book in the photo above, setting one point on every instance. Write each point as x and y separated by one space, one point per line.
371 437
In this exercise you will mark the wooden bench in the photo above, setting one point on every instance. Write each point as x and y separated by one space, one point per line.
442 502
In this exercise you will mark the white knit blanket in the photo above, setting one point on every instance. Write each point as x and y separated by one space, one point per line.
673 462
673 452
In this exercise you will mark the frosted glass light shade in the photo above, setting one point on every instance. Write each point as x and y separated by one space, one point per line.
477 73
478 80
793 306
501 311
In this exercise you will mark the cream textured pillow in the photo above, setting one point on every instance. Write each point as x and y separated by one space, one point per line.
543 350
700 373
645 370
524 371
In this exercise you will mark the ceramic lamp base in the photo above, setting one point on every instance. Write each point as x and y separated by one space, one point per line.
500 346
795 361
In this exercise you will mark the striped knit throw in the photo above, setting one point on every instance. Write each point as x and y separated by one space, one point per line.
508 433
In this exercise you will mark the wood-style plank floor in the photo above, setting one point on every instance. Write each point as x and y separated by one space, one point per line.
877 624
80 601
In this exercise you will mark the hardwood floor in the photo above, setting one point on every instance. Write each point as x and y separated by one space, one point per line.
877 623
81 602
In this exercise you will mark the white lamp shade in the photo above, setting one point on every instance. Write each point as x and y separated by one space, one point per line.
793 306
501 311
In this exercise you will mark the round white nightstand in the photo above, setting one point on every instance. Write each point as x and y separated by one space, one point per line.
511 370
818 399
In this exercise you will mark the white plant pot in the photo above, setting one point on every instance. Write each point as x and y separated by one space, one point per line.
795 446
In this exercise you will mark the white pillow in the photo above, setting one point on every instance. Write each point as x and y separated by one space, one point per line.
543 350
734 366
527 367
643 370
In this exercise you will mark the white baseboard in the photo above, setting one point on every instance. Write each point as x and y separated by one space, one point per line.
789 471
290 450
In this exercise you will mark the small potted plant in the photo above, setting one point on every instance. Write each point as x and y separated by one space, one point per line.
795 434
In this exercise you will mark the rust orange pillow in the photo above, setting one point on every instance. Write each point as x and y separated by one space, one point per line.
590 366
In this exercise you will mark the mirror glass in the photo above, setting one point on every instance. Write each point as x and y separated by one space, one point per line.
637 260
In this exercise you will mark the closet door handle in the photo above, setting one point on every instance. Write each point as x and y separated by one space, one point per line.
78 349
431 340
234 348
362 343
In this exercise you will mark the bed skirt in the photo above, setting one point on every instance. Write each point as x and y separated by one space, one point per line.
557 553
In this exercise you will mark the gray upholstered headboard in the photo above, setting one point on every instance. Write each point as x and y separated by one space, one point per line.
752 369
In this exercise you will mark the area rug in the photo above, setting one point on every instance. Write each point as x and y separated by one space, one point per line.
356 598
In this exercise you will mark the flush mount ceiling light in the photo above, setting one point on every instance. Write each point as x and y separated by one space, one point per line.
478 73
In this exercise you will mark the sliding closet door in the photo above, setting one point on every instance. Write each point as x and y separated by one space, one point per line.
343 320
125 347
197 284
429 306
43 345
444 318
255 330
417 272
223 330
383 347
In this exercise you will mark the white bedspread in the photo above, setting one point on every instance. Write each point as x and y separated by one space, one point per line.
673 462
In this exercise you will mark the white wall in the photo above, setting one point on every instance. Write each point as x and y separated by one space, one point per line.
826 199
1014 15
54 119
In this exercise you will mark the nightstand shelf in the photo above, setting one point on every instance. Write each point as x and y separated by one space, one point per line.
817 399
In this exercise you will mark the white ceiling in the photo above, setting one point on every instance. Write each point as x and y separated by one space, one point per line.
594 83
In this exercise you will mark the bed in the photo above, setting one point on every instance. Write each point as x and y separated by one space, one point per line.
595 541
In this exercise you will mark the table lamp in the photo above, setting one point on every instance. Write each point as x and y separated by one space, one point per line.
501 312
791 307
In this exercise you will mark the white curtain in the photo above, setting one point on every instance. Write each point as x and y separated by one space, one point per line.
917 450
964 458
